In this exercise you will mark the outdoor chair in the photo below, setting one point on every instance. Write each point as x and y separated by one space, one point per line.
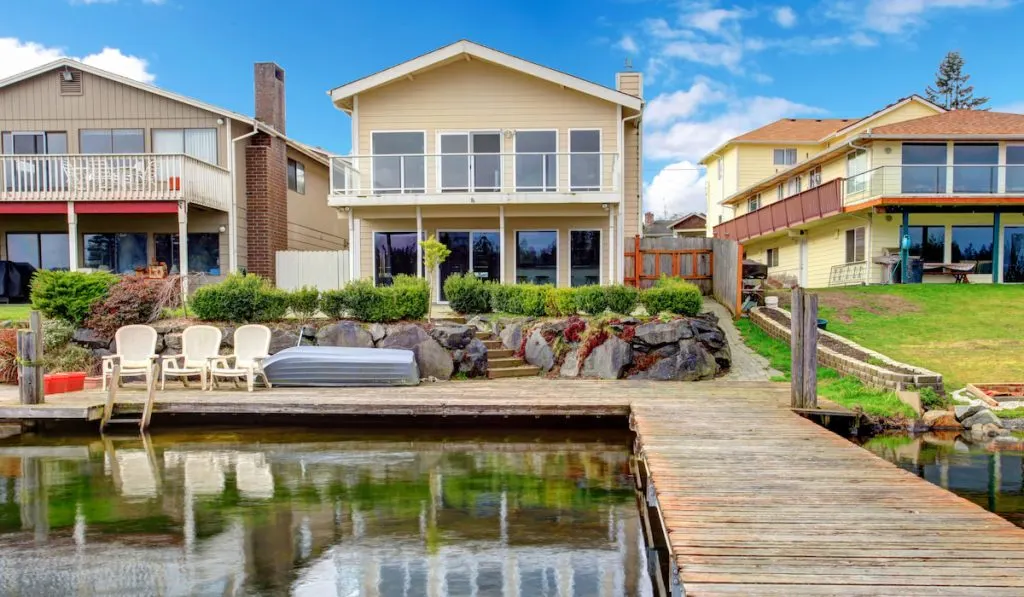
135 352
199 343
252 345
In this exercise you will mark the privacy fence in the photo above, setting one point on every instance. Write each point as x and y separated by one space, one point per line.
326 270
712 264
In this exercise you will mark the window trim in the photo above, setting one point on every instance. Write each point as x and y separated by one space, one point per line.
373 155
785 154
515 156
598 153
780 192
864 240
438 167
813 181
298 166
373 250
794 181
600 254
558 251
756 200
216 145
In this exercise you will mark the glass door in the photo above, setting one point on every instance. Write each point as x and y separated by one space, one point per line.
1013 254
459 260
476 252
470 162
486 162
454 163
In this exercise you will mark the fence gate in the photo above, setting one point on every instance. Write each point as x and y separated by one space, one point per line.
324 270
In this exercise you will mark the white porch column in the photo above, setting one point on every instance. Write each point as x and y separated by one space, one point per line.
612 258
501 244
358 252
352 242
419 247
72 237
183 247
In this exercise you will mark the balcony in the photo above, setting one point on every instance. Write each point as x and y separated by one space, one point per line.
940 182
475 178
813 204
108 177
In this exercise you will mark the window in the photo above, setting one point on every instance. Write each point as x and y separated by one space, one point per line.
924 168
119 252
111 141
814 178
536 160
754 203
584 257
203 252
773 258
928 243
784 157
585 160
44 250
973 244
398 163
470 162
395 254
34 175
780 193
855 245
856 171
537 257
793 186
296 177
1014 168
1013 254
198 143
976 168
721 169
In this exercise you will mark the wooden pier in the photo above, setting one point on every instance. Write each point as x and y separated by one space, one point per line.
754 498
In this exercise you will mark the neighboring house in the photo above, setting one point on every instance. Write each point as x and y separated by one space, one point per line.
692 224
822 201
123 169
526 173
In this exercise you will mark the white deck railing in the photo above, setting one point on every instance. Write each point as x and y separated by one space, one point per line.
109 177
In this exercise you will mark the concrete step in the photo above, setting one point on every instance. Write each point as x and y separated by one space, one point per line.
499 353
504 362
524 371
493 344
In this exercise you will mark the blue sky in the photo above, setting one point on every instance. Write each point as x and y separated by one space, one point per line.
713 69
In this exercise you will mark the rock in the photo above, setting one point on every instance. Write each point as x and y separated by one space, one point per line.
432 359
172 341
453 335
941 419
282 339
709 316
703 325
89 338
511 336
966 412
481 322
377 332
658 333
227 337
669 350
308 332
988 429
983 417
345 333
556 327
713 340
609 360
471 360
164 326
571 365
6 323
538 353
723 358
694 362
99 353
629 321
406 335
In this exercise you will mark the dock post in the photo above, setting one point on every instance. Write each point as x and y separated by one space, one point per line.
796 348
30 356
804 350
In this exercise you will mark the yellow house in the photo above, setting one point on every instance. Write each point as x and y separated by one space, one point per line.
848 201
526 173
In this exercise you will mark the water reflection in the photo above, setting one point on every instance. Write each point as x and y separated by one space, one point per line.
989 473
295 512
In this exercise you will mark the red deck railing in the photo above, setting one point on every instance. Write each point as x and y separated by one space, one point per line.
813 204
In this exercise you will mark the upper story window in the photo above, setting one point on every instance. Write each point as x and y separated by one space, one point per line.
198 143
18 143
1014 168
33 175
585 160
814 178
296 177
721 168
924 168
754 203
780 192
536 160
793 186
856 171
398 162
111 141
470 162
976 167
784 157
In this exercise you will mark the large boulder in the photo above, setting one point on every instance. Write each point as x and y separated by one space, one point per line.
982 417
941 419
282 339
511 336
453 335
89 338
471 360
433 360
538 353
609 360
377 332
965 412
172 342
164 326
227 337
657 333
704 323
692 362
406 335
345 333
571 364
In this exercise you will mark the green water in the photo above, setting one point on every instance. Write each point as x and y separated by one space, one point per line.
294 512
990 473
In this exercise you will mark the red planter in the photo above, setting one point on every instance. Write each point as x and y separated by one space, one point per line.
59 383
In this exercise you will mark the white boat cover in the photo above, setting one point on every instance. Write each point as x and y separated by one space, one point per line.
326 366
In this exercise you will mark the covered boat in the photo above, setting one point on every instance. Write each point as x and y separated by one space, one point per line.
327 366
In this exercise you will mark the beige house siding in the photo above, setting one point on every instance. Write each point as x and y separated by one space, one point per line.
632 173
241 214
36 105
312 225
757 161
908 111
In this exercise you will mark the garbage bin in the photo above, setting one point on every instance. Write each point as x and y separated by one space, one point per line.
916 270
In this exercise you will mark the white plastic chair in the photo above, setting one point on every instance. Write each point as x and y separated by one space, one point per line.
252 345
199 343
135 351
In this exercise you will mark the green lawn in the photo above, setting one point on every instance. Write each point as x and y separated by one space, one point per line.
847 391
14 312
968 333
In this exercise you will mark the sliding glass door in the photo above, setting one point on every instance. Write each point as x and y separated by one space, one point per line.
398 162
476 252
1013 254
394 254
470 162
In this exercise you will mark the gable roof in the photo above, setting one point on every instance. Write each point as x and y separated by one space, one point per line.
99 72
957 122
887 109
807 130
475 50
699 220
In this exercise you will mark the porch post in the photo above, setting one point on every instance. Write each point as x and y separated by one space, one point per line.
501 244
72 237
905 248
183 247
996 245
419 247
612 244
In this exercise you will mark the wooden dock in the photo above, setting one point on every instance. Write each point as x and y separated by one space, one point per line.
755 499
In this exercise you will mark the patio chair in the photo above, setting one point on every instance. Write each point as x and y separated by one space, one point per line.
252 345
199 343
135 351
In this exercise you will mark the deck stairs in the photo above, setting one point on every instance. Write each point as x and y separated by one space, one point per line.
502 362
118 414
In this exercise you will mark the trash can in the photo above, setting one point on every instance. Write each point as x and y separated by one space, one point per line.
916 270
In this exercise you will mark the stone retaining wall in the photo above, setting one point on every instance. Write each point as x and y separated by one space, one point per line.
873 375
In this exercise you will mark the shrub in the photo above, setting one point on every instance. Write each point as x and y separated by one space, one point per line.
519 299
56 334
467 294
239 298
131 301
304 302
931 400
70 358
332 303
406 298
621 298
9 356
560 302
673 296
575 328
69 295
412 295
592 300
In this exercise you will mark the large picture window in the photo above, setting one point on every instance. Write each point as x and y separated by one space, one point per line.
976 168
1014 168
537 257
973 244
203 252
928 243
857 171
44 250
398 163
584 257
585 160
119 252
1013 254
198 143
536 161
112 141
395 254
924 168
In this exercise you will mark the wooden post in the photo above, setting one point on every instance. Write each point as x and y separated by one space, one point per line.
810 355
30 355
638 262
796 348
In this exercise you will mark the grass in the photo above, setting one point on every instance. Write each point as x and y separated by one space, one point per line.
1010 413
845 391
14 312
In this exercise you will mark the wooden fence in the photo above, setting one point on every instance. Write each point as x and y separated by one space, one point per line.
727 283
690 258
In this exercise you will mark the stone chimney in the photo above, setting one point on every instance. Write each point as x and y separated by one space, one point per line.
648 218
631 82
269 88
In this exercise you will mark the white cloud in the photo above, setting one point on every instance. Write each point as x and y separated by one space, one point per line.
785 17
628 44
677 189
712 20
728 55
684 103
17 56
898 16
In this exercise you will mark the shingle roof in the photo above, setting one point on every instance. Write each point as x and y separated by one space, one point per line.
958 122
796 129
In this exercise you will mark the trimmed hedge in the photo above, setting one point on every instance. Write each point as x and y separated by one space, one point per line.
467 293
621 298
69 295
304 302
520 299
672 295
561 302
406 298
240 299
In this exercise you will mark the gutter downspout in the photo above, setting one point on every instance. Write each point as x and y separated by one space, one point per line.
621 258
233 214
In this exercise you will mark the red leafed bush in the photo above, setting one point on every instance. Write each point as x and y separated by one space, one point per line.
628 332
549 336
642 362
8 356
574 329
131 301
521 352
590 342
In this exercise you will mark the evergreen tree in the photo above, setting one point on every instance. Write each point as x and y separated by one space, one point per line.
952 90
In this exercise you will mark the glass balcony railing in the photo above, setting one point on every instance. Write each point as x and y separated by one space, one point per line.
939 180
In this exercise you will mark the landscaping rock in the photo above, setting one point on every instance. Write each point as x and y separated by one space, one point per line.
99 353
723 358
609 360
704 323
511 336
694 362
345 333
941 419
669 350
89 338
282 339
966 412
471 360
656 333
406 335
629 321
481 322
377 332
172 342
227 337
981 417
713 340
453 335
571 365
538 353
164 326
556 327
432 359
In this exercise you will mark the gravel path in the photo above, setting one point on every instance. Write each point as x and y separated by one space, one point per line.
746 364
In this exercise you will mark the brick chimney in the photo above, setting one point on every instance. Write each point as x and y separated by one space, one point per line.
269 85
648 218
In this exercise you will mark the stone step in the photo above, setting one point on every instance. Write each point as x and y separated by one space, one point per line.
480 335
449 319
499 353
504 362
493 344
524 371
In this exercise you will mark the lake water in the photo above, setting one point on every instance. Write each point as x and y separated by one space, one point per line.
990 474
287 511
